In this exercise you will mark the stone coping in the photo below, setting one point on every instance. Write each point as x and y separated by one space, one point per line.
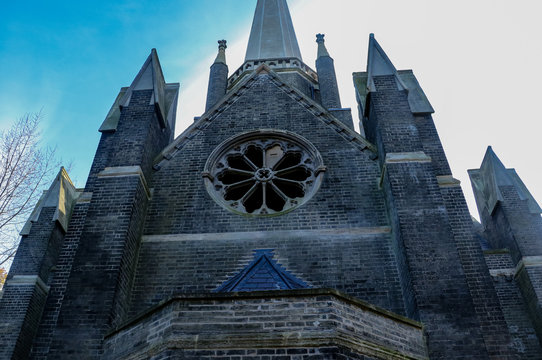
305 318
268 295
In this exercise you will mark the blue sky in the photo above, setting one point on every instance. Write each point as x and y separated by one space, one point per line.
70 58
478 62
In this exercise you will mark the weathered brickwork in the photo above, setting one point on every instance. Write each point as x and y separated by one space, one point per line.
330 353
524 340
432 145
269 320
327 79
348 197
425 229
136 142
38 251
25 293
301 83
529 280
513 226
21 309
321 258
381 262
479 281
109 239
59 282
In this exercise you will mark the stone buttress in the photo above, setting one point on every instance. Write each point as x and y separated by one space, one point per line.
27 285
512 227
139 125
445 281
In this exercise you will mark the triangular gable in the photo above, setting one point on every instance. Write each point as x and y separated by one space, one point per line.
493 174
417 100
62 195
164 97
379 64
262 274
242 87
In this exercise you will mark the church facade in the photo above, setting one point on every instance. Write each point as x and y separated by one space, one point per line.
272 229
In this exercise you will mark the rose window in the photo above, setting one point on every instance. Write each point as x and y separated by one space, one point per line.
263 173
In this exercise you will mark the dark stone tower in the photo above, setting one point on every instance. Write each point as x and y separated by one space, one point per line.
271 229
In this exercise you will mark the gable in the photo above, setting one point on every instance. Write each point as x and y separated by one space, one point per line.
349 189
263 273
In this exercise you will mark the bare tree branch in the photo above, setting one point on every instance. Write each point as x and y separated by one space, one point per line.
25 168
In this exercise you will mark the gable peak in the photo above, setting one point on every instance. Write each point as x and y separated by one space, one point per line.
379 64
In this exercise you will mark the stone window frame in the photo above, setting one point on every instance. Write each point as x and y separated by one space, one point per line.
288 175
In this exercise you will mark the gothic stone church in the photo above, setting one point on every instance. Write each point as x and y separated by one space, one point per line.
271 229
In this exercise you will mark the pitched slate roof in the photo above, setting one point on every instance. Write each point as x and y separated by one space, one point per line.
263 273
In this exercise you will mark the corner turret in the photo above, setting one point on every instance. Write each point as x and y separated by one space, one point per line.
327 78
218 78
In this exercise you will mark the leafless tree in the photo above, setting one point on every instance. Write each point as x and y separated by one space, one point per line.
25 168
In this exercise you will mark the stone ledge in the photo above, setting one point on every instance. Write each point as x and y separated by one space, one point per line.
125 171
364 231
528 261
407 157
448 181
307 318
27 280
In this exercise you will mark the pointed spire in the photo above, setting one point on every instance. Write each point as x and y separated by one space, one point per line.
487 180
379 64
61 195
221 57
322 51
327 80
494 165
272 35
164 97
218 77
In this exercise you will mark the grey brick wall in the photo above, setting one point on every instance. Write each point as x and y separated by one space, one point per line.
361 265
524 340
514 227
486 303
97 295
59 283
22 303
349 195
21 308
422 225
276 321
329 353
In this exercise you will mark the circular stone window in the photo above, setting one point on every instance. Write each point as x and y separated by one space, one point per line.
263 173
